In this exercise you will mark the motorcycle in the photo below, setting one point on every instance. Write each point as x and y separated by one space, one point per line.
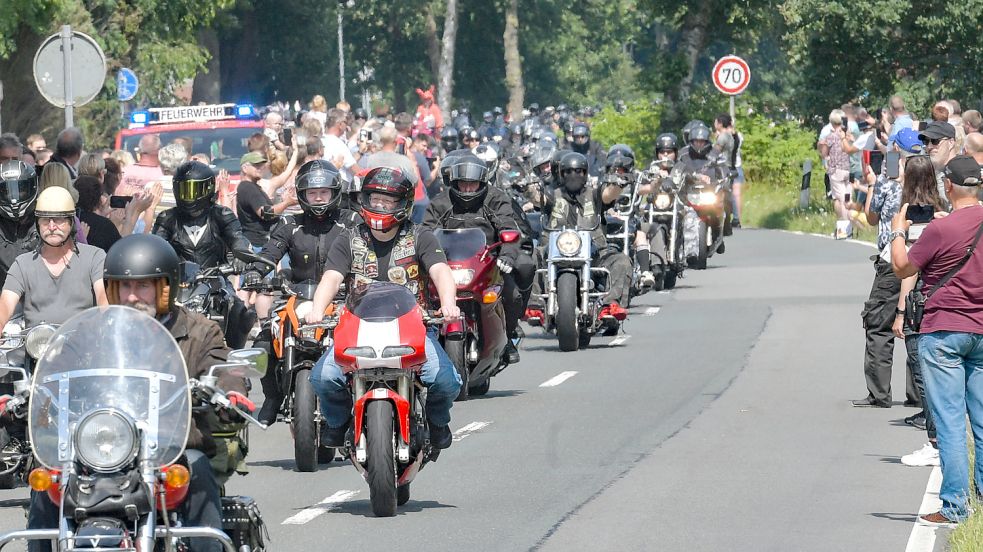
296 348
476 343
210 293
665 214
572 297
710 201
380 343
109 415
19 351
620 226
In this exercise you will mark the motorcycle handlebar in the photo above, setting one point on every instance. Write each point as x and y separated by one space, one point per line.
215 396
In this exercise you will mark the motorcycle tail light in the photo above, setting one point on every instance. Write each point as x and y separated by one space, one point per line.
41 479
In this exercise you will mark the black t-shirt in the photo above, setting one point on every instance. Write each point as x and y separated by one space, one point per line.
250 197
102 232
428 253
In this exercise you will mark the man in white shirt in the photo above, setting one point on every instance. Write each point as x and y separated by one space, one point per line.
336 149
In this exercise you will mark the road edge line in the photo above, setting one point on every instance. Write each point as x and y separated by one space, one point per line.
922 537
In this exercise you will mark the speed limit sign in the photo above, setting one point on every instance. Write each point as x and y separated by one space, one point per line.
731 75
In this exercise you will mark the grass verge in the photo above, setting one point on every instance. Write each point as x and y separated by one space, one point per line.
968 535
777 207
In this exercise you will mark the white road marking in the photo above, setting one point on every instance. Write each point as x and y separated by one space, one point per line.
850 240
618 340
651 311
664 292
922 538
469 429
316 510
558 379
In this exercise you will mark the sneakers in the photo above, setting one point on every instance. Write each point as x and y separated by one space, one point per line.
936 519
614 310
917 421
534 316
925 456
648 279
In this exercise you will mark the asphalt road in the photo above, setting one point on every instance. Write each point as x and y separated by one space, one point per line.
719 421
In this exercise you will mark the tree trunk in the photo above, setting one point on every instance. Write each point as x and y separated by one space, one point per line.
445 73
513 61
433 44
693 42
208 83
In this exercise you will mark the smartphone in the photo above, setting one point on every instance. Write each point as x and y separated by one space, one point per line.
846 198
288 135
921 214
893 160
119 202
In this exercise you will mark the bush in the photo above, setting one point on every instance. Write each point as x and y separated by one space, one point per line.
773 152
637 127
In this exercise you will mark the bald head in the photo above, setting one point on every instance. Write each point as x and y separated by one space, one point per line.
69 144
149 144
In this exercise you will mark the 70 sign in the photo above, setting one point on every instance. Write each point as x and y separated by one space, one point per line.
731 75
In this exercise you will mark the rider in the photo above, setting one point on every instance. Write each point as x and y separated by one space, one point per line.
306 237
142 272
591 149
18 194
697 158
620 170
576 204
666 151
448 140
387 247
205 233
470 202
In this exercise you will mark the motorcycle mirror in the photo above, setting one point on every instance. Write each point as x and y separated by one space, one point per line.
251 257
244 363
8 368
509 236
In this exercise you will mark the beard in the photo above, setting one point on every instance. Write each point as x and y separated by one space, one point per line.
149 310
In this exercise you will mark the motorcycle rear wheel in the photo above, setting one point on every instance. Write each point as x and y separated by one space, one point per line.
566 315
305 423
380 465
456 351
481 389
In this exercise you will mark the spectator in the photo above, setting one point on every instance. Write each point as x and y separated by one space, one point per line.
147 169
68 150
729 143
171 157
335 148
43 156
939 140
29 157
123 158
883 202
258 142
900 118
831 149
10 148
974 146
387 156
428 117
35 142
956 120
319 109
273 129
950 344
972 121
344 106
92 164
404 144
101 233
112 177
254 208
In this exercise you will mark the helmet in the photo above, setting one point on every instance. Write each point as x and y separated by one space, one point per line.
390 182
699 133
468 167
445 165
573 171
497 111
666 142
689 127
516 128
534 108
488 153
562 108
142 257
620 156
467 133
464 111
487 117
581 137
56 202
448 139
318 174
18 189
194 188
360 113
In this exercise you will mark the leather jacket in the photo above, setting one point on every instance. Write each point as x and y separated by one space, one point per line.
306 240
492 216
16 238
206 240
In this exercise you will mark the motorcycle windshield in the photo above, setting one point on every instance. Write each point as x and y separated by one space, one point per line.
380 301
110 358
462 243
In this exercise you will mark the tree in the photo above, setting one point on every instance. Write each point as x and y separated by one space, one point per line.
445 70
513 60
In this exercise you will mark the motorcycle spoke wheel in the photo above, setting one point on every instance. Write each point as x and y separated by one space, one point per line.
380 465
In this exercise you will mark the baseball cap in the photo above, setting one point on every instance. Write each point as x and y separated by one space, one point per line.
908 142
253 157
937 129
963 170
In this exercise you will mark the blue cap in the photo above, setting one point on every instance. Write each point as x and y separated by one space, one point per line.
908 142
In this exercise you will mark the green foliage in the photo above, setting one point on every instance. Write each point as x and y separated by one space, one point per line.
773 152
637 127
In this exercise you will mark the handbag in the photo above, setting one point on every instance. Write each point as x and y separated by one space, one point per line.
916 298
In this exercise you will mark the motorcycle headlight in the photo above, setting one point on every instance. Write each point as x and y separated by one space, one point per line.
662 201
38 338
568 243
707 198
105 440
462 276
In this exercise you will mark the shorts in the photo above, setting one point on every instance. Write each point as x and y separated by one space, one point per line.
739 179
839 183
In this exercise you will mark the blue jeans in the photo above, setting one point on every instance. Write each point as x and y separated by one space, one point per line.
952 367
438 374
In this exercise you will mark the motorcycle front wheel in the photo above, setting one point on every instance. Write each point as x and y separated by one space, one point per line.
304 423
702 235
456 351
380 463
566 314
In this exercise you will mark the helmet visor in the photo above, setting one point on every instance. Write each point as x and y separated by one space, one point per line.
193 190
471 172
13 192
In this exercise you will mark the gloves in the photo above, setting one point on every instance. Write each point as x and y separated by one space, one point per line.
241 401
251 277
505 265
238 265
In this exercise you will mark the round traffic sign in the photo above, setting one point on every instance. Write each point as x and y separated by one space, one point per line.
127 84
731 75
88 69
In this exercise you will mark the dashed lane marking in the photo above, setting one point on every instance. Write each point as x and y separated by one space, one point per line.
558 379
651 311
620 340
326 505
469 429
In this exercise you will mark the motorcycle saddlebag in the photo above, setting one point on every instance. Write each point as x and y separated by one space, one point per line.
243 523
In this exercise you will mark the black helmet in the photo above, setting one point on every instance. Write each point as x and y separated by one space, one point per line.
391 182
699 133
534 108
666 142
580 134
448 139
468 168
18 189
487 117
142 257
468 133
447 161
620 156
573 172
360 113
464 111
194 188
318 174
689 127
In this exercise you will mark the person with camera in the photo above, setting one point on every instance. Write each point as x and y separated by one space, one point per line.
837 162
948 316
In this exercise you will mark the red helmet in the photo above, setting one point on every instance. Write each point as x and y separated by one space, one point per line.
388 182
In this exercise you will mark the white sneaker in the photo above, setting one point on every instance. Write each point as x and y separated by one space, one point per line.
925 456
648 279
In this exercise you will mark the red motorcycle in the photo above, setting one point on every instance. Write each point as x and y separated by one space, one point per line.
380 343
476 343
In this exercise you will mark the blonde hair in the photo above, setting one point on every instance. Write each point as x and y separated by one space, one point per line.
278 162
123 157
92 164
56 174
318 103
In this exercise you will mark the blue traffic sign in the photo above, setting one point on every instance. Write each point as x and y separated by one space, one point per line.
126 84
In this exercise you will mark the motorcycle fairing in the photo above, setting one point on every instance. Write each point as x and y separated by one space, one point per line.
383 394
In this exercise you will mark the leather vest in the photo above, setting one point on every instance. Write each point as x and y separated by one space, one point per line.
404 268
584 213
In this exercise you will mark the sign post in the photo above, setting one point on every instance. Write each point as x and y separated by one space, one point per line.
69 70
731 75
